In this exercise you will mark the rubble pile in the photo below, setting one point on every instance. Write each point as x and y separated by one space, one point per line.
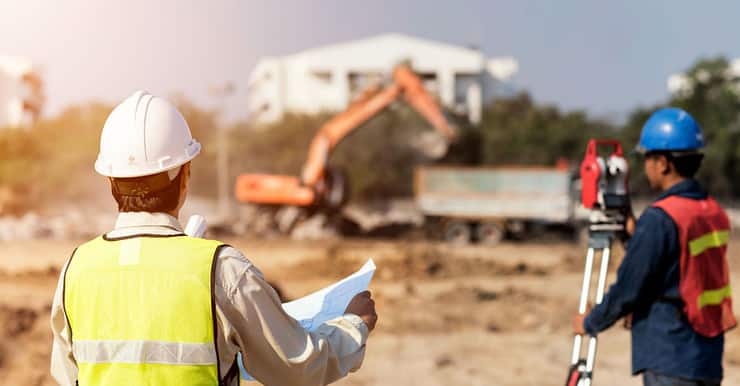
72 224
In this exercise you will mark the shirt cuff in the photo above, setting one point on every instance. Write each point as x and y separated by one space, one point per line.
358 323
587 325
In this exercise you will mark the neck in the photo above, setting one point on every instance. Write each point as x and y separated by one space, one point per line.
671 181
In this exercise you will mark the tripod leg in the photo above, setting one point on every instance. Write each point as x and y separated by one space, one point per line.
591 355
585 287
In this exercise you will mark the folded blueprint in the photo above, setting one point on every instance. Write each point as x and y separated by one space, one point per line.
325 304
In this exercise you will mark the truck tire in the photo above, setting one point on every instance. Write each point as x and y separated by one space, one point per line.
489 233
457 232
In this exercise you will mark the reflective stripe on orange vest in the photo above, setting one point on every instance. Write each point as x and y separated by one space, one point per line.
714 297
709 240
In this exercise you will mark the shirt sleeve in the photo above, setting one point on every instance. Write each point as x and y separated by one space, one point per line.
275 348
655 238
63 365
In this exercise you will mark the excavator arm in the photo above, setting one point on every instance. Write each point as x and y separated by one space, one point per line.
308 189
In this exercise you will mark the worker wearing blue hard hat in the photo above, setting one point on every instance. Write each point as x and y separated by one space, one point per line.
673 285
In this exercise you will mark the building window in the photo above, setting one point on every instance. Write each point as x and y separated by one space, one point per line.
359 82
323 76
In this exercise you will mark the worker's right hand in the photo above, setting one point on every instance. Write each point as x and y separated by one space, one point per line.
630 224
627 324
363 306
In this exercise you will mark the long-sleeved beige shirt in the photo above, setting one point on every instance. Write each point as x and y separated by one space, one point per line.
250 319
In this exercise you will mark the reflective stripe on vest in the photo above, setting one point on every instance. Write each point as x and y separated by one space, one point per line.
703 231
714 297
709 240
144 351
140 311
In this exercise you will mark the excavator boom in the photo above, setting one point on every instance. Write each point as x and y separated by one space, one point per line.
311 186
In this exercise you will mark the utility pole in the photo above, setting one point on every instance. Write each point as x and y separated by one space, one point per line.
222 92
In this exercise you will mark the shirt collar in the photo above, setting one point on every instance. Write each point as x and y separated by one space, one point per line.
145 220
687 187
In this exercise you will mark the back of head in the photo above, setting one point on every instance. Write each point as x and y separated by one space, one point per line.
144 144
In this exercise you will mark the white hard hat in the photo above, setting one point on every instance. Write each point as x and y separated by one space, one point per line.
144 135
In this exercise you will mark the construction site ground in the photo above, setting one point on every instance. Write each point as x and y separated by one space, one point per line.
449 315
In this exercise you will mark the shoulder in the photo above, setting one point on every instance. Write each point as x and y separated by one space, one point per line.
654 215
655 221
232 268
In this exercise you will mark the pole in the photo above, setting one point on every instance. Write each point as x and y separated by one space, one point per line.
222 159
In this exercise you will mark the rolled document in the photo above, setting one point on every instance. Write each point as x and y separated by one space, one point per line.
196 226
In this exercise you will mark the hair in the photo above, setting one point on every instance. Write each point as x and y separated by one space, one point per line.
685 164
164 200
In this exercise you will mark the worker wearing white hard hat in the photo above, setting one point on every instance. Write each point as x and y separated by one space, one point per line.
144 304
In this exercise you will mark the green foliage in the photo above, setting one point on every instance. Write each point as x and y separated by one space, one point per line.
40 163
715 104
52 161
518 131
379 157
277 148
713 100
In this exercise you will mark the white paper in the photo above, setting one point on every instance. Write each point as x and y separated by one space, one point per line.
196 226
313 310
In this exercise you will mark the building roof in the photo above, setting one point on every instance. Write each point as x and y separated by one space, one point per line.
380 52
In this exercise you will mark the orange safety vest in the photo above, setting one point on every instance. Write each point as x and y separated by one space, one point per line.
703 231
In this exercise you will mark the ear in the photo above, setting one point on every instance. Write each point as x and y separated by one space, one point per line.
185 175
664 165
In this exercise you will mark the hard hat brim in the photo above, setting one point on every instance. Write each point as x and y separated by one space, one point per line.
122 171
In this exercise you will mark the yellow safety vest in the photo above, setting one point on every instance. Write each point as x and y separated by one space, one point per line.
141 311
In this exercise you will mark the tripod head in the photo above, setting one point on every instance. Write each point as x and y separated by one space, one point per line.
604 190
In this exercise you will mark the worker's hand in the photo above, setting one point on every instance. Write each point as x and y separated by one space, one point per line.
363 306
627 322
578 319
629 225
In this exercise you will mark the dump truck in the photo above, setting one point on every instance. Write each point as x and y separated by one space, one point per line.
486 204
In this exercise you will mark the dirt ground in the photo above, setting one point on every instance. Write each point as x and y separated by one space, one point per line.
448 315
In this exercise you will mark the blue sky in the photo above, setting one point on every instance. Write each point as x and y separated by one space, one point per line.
605 57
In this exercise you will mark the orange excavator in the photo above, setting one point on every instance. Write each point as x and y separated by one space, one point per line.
320 187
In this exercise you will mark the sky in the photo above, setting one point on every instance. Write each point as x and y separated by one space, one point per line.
604 57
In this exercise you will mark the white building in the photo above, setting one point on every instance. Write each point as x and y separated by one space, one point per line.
21 93
328 78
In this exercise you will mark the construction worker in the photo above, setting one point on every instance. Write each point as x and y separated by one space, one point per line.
674 279
146 305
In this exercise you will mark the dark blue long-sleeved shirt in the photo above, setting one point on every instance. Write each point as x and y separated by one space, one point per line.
647 286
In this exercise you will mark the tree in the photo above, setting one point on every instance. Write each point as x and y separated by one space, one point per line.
712 97
518 131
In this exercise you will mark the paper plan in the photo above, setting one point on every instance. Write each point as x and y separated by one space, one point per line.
313 310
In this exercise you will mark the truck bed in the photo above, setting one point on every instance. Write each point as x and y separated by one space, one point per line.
525 193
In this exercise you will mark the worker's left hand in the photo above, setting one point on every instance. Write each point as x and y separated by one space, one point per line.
363 306
578 324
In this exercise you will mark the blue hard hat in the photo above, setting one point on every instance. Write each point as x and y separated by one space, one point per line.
670 129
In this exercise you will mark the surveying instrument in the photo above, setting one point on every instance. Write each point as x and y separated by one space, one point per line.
604 191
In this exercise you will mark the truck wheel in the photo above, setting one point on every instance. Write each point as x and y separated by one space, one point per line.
489 233
457 233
